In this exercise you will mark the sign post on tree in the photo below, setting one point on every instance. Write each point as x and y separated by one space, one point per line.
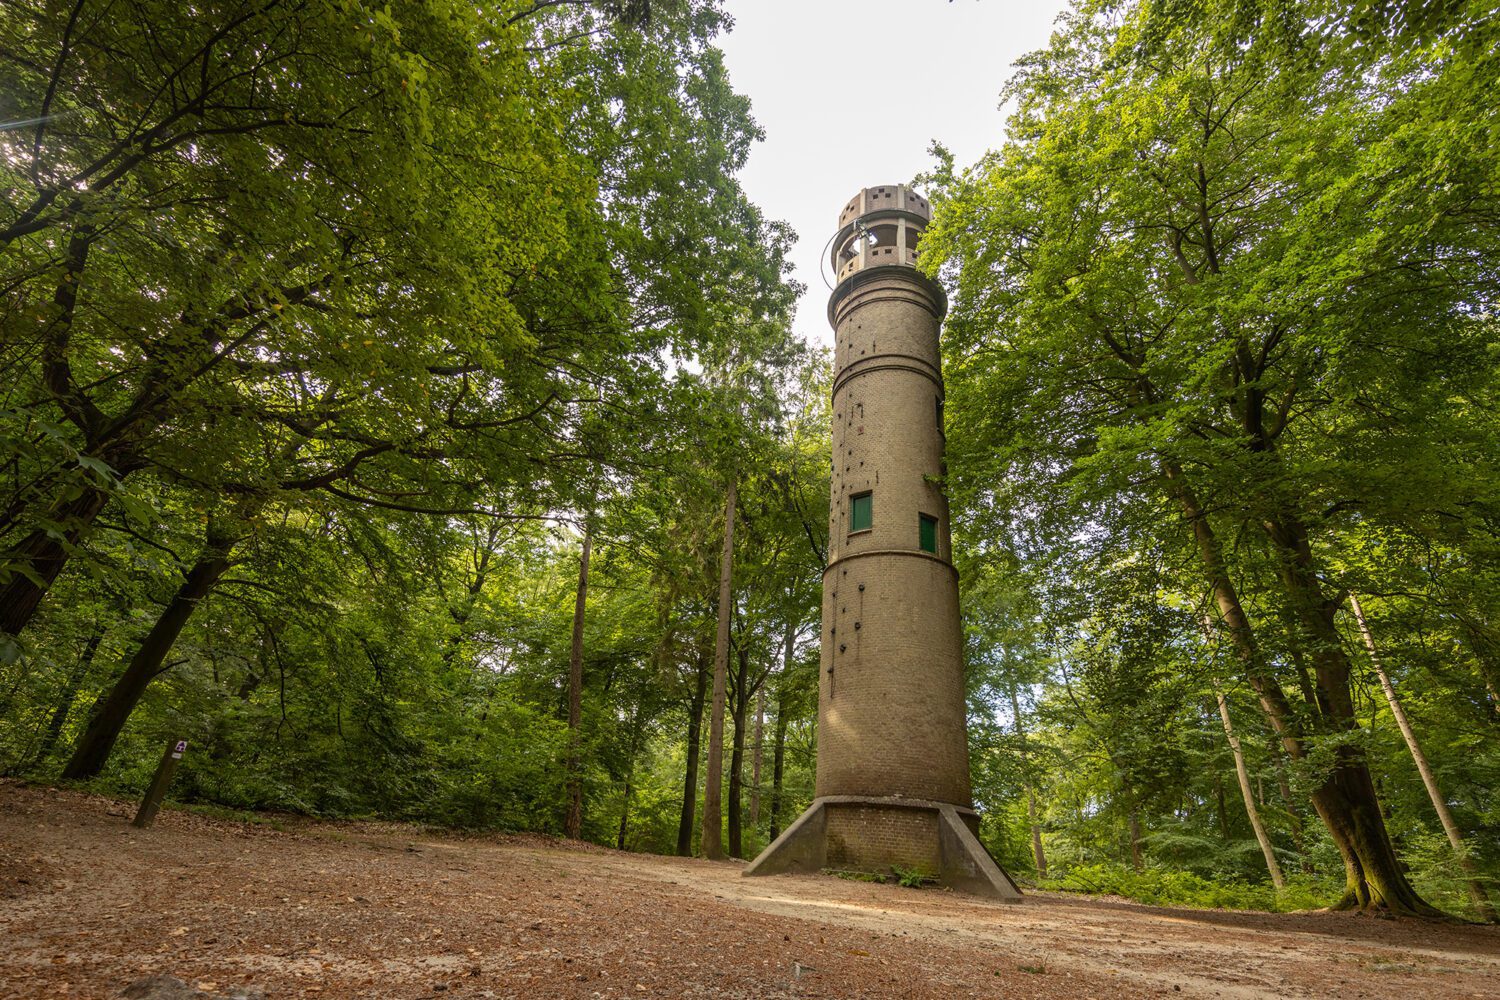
146 815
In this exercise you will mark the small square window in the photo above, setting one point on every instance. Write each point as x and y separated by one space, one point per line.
861 512
927 533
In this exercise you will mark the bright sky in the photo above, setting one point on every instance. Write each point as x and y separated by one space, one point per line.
851 93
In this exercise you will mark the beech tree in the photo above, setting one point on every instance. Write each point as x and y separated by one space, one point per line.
1169 299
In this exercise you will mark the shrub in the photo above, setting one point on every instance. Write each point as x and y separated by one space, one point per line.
1163 887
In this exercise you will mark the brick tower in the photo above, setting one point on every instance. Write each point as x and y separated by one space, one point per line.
893 762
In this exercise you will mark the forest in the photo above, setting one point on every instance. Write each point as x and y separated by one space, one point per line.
401 405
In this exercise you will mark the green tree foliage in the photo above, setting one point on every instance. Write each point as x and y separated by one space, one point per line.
323 325
1224 307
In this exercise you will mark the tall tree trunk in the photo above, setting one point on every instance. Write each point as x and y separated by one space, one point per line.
778 761
70 695
739 709
1439 804
1223 807
713 811
44 553
1346 800
624 816
778 755
635 747
1272 866
755 756
690 778
1038 856
1136 860
109 717
573 827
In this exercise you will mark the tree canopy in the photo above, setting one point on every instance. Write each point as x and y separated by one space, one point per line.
1223 331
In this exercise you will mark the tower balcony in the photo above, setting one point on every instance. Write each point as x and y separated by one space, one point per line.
879 227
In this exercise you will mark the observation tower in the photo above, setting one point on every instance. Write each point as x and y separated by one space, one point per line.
893 761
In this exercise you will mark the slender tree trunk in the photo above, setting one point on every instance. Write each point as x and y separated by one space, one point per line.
1346 801
1439 804
636 726
778 760
690 779
1242 772
1272 866
110 715
45 554
70 695
1136 860
739 709
1485 660
574 826
1223 807
778 755
624 816
713 811
755 756
1037 855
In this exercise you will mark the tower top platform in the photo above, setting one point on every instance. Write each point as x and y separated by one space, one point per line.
879 226
878 230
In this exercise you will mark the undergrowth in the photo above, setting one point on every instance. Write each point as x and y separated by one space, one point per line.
908 878
1159 886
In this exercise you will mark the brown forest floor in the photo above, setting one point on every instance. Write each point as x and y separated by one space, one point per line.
87 905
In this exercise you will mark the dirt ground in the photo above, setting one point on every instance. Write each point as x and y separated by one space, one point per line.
88 905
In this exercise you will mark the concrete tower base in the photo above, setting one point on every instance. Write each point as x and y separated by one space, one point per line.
867 834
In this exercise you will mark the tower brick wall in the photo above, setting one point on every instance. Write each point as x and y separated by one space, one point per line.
876 838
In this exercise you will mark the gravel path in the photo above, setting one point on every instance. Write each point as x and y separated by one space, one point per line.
88 905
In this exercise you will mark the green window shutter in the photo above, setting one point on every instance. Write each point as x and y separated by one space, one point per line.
861 512
927 536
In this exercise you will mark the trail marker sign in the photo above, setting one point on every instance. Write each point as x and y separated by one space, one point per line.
151 804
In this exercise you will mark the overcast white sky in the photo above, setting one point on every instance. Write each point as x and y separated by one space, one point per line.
851 93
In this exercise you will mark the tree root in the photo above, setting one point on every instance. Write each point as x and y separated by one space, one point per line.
1354 900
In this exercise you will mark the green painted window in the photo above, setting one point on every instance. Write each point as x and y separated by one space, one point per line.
927 536
861 512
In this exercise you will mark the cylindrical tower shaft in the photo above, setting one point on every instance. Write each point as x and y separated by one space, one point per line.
891 692
893 759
